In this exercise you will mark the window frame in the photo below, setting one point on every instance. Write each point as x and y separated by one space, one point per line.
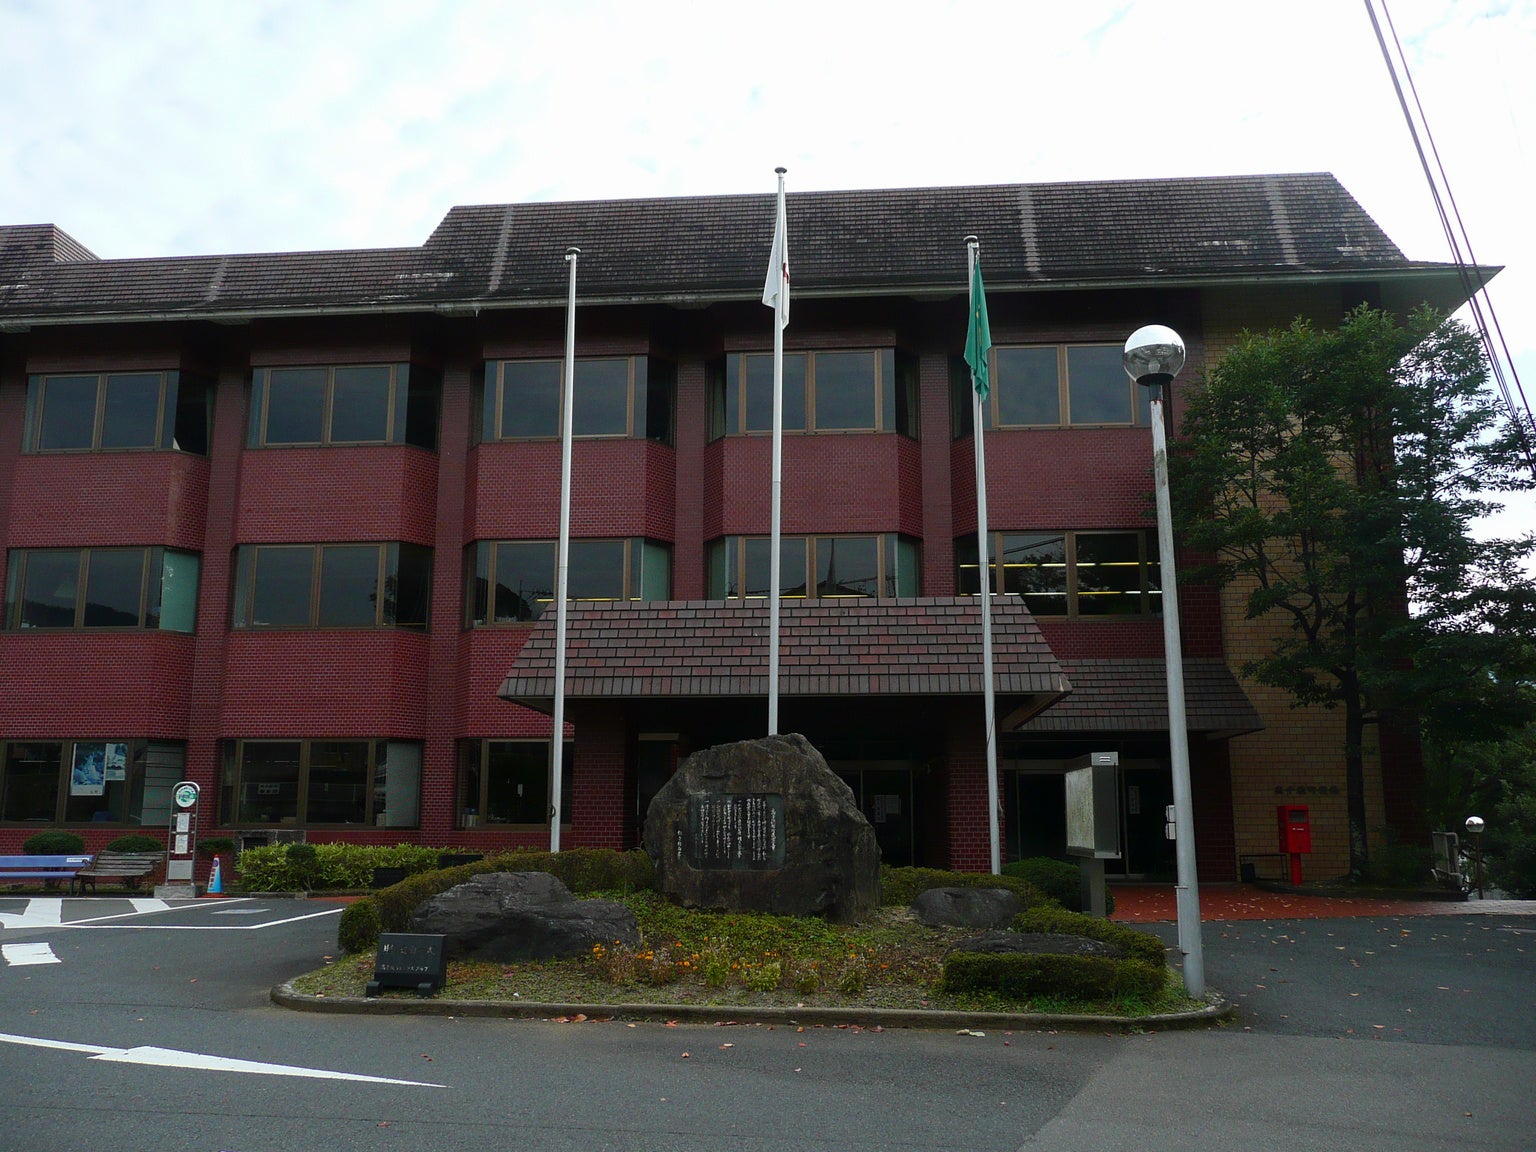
1138 401
473 762
390 553
151 596
144 802
481 560
1148 566
411 406
174 389
894 402
372 791
650 384
889 548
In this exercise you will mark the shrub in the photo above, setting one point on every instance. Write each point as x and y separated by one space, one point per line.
221 846
1398 865
1022 976
899 886
135 842
1133 944
359 929
54 843
1061 880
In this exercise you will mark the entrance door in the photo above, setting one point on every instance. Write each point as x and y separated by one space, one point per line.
1147 793
884 792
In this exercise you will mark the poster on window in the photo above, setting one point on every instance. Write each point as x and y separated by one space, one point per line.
88 777
116 763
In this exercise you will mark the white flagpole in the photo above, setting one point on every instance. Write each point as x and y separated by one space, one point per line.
776 293
563 558
972 247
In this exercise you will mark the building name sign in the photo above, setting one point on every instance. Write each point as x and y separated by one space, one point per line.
734 832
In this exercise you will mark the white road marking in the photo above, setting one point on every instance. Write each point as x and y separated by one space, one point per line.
239 912
148 904
201 927
18 955
174 1058
43 912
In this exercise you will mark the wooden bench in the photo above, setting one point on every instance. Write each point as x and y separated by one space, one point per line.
129 867
17 868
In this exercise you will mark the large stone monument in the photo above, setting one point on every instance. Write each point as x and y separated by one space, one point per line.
506 916
764 826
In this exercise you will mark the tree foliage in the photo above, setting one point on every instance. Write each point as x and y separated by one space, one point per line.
1334 476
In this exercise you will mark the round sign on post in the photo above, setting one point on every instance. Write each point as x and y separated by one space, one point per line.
182 845
185 794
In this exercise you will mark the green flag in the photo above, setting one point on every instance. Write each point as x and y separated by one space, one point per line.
979 338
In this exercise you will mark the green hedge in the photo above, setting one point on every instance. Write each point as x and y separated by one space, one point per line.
901 886
305 867
1140 972
1133 943
53 843
1061 880
1021 976
582 870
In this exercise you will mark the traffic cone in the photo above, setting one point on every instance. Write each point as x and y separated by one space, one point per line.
215 881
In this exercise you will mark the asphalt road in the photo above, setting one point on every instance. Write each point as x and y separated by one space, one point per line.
1365 1034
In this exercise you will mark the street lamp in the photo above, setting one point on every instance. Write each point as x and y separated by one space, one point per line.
1153 357
1475 830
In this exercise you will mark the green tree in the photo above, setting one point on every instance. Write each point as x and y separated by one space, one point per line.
1335 476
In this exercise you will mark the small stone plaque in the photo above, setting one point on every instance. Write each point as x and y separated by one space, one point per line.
409 960
738 832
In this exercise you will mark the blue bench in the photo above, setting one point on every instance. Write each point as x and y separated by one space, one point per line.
16 868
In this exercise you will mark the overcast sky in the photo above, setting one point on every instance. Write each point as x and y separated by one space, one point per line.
173 127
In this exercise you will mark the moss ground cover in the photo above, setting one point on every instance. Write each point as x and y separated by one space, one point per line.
745 959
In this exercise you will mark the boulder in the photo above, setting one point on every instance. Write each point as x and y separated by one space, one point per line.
1039 944
506 916
966 907
764 826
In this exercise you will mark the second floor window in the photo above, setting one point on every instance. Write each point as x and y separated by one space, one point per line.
89 588
1069 573
1052 386
618 396
116 411
509 581
819 566
332 585
355 404
853 391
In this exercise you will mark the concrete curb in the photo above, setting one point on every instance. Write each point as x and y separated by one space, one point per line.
1216 1012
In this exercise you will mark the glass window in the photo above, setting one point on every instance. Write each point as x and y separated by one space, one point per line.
1070 573
614 396
131 410
322 782
508 782
355 404
101 588
332 586
1051 386
116 411
829 566
68 416
864 391
97 781
516 578
1100 391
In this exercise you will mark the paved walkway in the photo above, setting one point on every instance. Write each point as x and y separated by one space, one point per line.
1148 903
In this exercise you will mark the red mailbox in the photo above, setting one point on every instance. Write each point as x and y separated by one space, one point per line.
1295 834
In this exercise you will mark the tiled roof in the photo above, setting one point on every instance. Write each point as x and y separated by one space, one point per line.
719 648
711 248
1132 696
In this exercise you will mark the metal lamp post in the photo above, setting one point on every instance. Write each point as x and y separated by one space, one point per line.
1153 357
1475 827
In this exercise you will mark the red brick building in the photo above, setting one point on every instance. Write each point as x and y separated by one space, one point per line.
285 524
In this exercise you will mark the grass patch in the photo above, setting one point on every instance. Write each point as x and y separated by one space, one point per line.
726 959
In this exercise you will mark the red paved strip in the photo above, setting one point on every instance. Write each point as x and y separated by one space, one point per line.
1147 903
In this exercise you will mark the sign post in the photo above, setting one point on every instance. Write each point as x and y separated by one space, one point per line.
1093 822
181 843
